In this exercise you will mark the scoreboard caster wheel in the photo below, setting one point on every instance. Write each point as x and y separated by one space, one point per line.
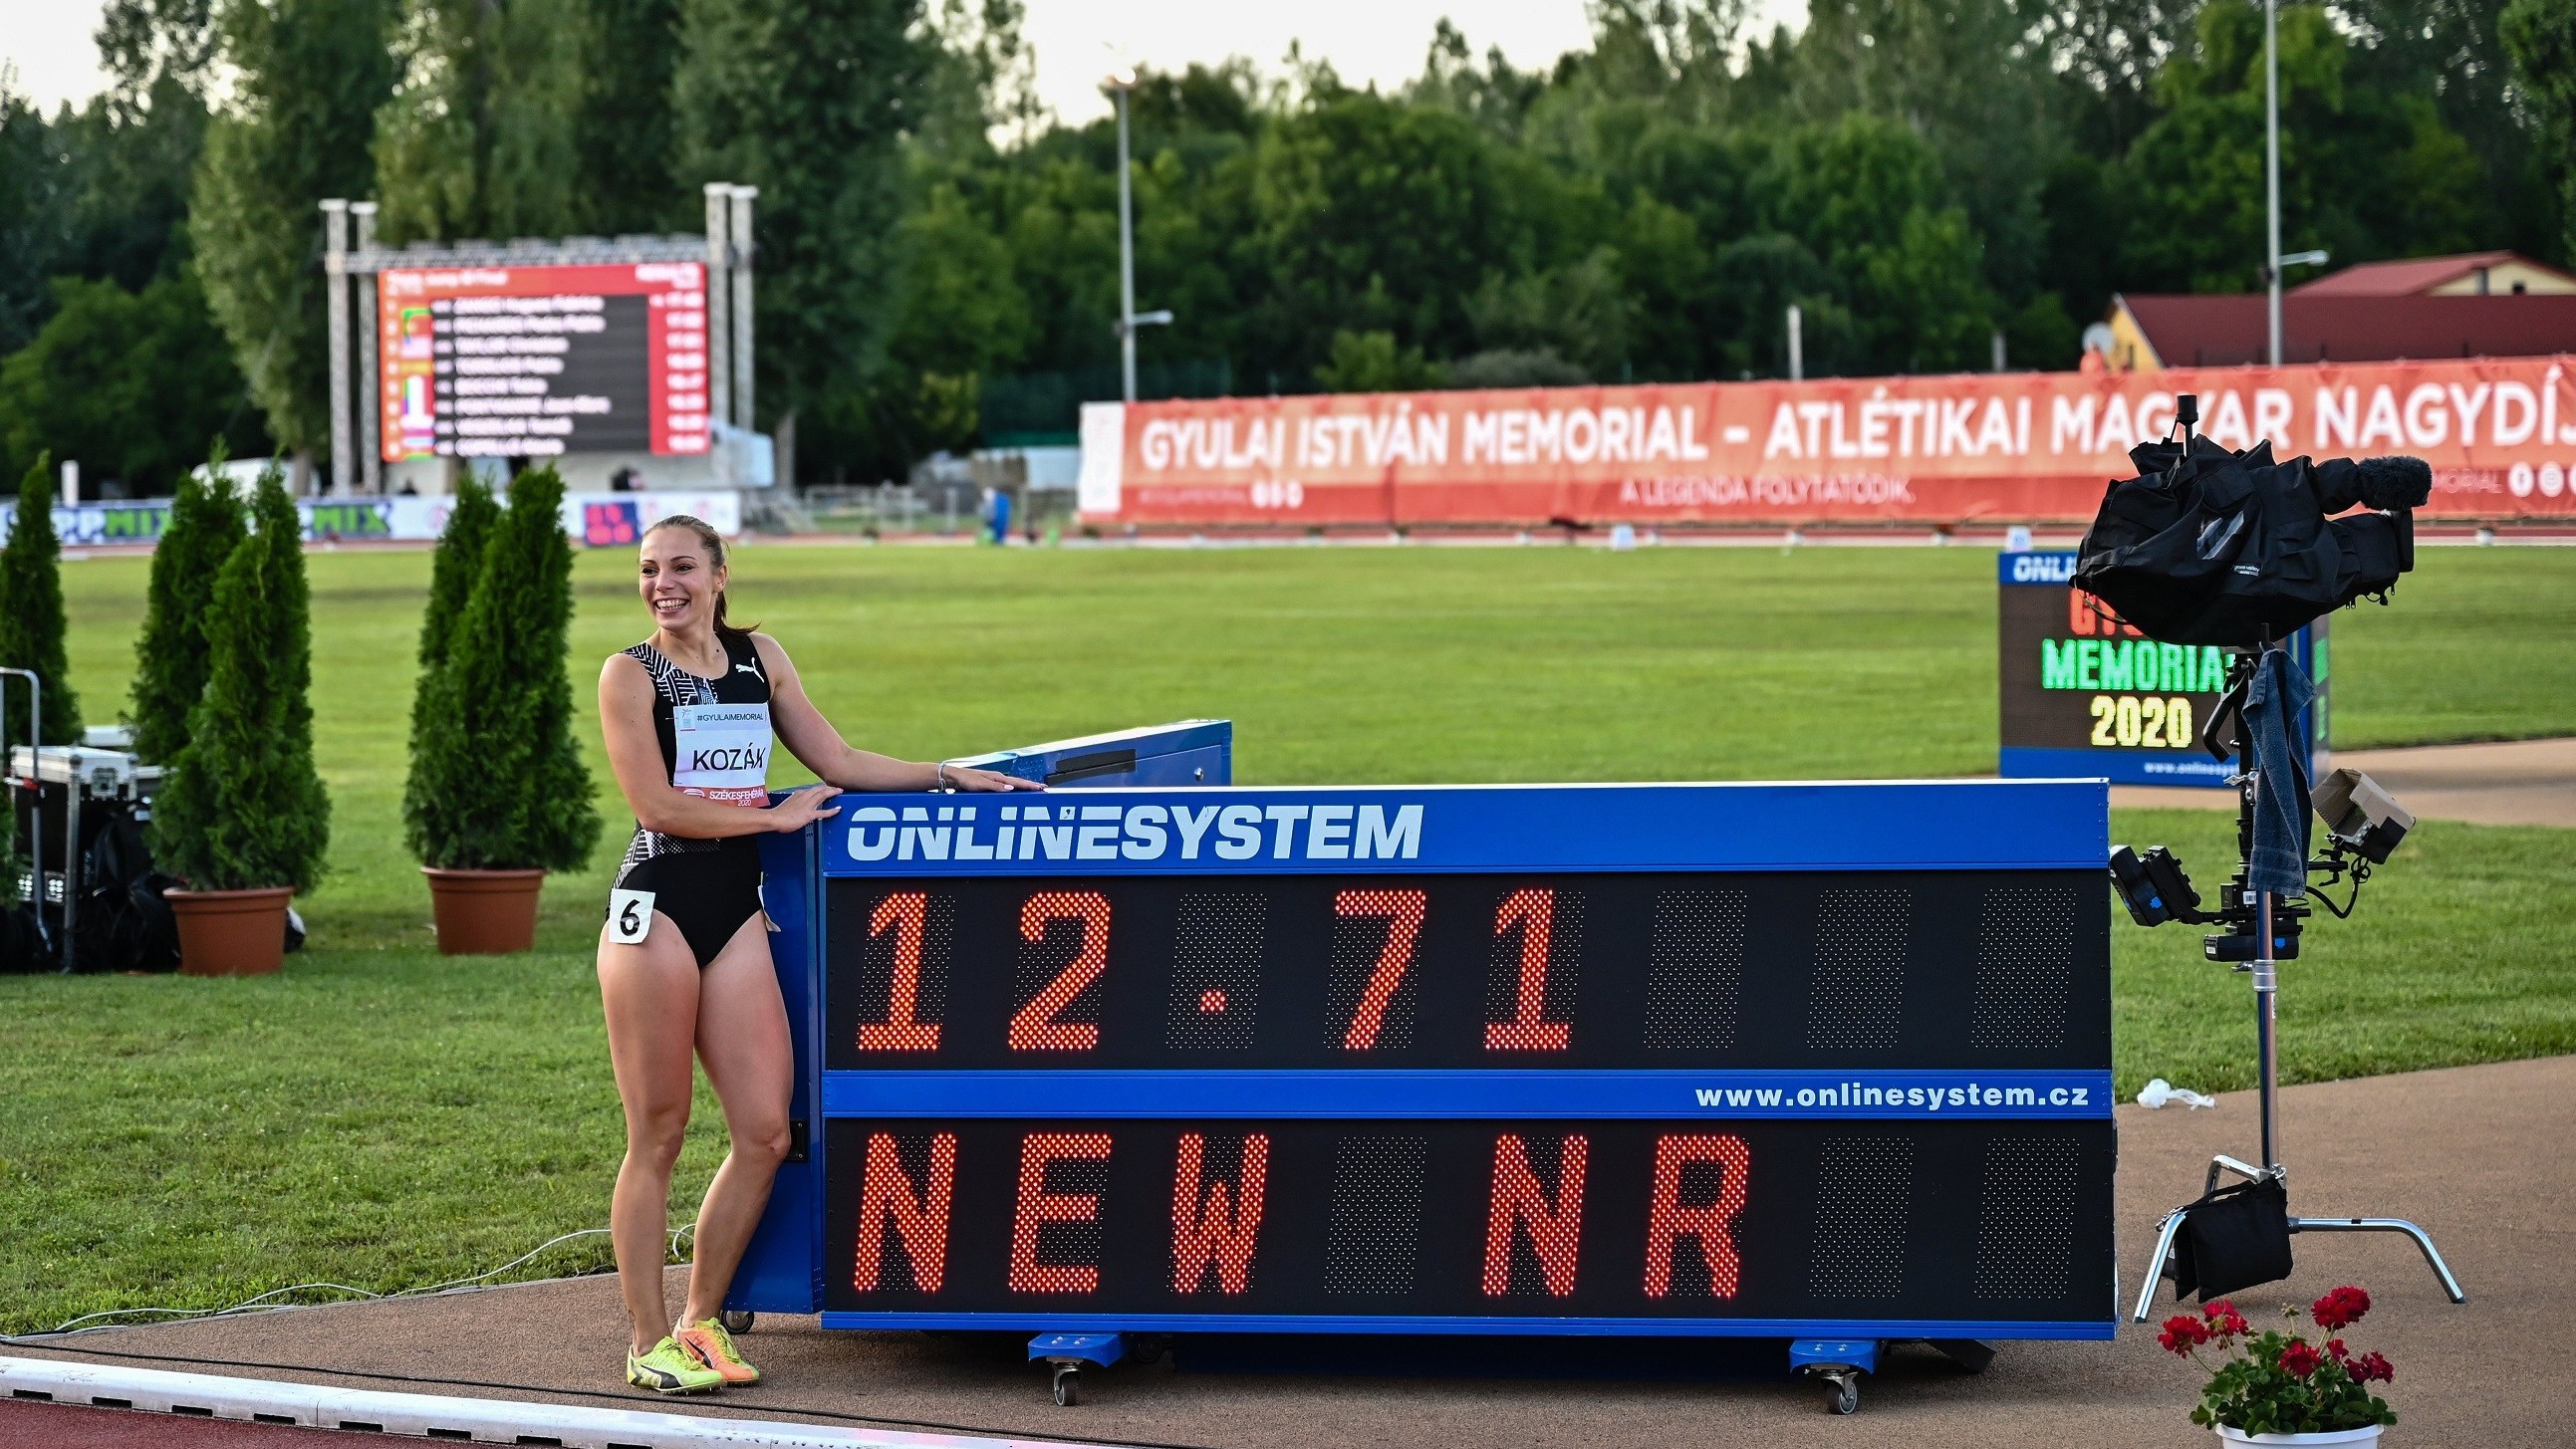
1842 1392
1068 1387
738 1322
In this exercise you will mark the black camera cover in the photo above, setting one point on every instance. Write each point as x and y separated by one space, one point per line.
2212 546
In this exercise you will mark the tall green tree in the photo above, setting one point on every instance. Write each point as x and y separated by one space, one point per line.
484 136
308 77
129 384
623 134
497 781
810 102
31 605
35 235
207 522
241 806
453 569
2365 173
2541 37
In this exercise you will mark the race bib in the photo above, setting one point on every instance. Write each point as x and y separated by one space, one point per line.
722 752
630 917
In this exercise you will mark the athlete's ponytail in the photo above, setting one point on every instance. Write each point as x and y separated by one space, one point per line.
713 543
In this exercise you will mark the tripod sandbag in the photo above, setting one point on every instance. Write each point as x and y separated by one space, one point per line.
2235 1237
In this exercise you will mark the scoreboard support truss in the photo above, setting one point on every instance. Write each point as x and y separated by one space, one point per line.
1821 1063
351 309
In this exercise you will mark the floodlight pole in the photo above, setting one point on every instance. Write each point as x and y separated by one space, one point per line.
1126 250
2272 168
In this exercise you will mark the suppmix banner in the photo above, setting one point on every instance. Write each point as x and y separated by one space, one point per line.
2012 447
599 520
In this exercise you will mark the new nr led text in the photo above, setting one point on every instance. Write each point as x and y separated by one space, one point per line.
1136 832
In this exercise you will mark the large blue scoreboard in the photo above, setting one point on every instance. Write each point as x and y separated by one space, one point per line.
1779 1060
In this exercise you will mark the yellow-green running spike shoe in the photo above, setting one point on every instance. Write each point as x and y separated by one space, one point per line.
707 1341
668 1368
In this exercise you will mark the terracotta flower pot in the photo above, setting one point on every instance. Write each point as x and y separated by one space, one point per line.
230 933
484 912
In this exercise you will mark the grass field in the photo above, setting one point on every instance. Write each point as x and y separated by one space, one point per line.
382 1117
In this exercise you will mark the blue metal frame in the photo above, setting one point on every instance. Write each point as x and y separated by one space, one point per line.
1404 829
1191 752
1802 1328
1472 1093
782 1270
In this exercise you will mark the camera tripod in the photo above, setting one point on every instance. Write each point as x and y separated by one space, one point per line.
2264 930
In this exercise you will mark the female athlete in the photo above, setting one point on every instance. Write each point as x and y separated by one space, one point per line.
684 958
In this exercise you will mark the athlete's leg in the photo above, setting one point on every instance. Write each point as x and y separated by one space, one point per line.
650 994
742 1038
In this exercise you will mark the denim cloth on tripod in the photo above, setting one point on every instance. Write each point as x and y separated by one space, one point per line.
2279 759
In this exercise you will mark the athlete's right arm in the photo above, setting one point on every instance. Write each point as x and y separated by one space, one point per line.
626 719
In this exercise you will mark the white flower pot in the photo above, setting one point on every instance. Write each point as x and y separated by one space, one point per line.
2362 1438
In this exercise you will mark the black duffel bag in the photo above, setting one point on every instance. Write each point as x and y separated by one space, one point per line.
2211 546
125 925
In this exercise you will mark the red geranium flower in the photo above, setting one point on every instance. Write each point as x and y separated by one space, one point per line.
2340 1308
2371 1366
2183 1333
2224 1320
2299 1360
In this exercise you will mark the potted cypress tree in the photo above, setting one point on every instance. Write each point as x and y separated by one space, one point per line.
205 526
242 817
31 606
498 794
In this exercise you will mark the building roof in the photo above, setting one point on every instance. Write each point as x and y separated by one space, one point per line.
2231 330
2412 277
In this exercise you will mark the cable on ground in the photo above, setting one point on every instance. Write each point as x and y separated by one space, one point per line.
262 1304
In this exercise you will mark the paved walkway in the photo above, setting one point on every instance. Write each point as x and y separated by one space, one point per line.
2525 782
2476 1154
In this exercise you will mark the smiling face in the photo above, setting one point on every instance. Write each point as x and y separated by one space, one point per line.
678 579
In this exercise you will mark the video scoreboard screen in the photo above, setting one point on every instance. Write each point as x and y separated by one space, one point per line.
2085 694
1713 1059
541 361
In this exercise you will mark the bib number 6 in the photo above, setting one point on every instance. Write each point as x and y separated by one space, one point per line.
630 917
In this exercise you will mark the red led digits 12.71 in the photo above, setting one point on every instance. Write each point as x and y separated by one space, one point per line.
905 913
919 1213
1207 1232
1555 1229
1034 1028
1711 1224
1403 913
1039 1207
1534 911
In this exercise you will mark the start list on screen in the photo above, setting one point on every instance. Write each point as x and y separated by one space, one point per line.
536 362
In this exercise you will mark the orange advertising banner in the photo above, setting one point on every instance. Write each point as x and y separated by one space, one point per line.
2000 448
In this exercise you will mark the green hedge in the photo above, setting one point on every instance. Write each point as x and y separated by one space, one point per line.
31 611
170 658
496 782
242 806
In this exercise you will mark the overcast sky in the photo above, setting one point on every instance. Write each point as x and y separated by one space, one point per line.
1077 41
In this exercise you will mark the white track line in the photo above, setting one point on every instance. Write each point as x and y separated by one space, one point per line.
487 1421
